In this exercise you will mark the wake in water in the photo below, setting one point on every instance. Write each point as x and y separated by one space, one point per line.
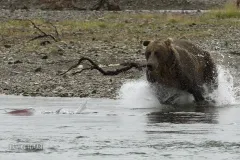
139 94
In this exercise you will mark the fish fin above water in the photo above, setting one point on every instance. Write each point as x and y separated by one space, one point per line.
81 108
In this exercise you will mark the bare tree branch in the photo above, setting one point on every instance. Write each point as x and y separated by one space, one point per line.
39 36
55 29
127 66
43 34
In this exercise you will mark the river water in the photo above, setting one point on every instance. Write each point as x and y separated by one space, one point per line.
135 126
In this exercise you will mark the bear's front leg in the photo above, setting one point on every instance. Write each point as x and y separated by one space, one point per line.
197 93
199 98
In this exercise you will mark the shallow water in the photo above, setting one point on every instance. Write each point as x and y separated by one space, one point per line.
135 126
109 129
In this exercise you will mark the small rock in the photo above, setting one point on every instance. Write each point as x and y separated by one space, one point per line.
127 21
7 46
33 94
60 51
39 69
17 61
81 137
64 94
59 72
45 57
70 47
70 94
83 95
199 11
25 8
44 43
58 89
192 24
25 94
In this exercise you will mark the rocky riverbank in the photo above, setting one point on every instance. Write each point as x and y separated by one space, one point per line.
31 67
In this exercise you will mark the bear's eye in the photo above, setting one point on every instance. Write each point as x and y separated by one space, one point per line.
147 54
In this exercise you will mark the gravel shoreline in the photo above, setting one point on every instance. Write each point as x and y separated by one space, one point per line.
36 73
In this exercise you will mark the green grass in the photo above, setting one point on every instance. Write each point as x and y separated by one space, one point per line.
88 25
127 26
230 10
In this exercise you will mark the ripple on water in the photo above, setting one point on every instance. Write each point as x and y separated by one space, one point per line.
182 117
182 132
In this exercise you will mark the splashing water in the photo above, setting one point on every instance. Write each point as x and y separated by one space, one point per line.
138 93
224 94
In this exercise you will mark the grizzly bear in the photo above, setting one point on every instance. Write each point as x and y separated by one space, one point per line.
238 3
181 65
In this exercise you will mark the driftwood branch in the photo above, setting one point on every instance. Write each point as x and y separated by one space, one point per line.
55 29
126 66
43 34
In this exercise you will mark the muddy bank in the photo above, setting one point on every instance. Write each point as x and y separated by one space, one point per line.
29 68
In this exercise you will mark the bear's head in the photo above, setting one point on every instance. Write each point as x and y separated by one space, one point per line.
160 57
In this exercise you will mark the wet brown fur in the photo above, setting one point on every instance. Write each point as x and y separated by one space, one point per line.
180 64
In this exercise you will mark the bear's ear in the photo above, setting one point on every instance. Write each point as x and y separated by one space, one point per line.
146 43
168 42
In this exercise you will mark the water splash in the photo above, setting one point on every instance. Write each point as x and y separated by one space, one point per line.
225 93
138 93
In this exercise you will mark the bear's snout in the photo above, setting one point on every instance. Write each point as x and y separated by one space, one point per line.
150 76
150 67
